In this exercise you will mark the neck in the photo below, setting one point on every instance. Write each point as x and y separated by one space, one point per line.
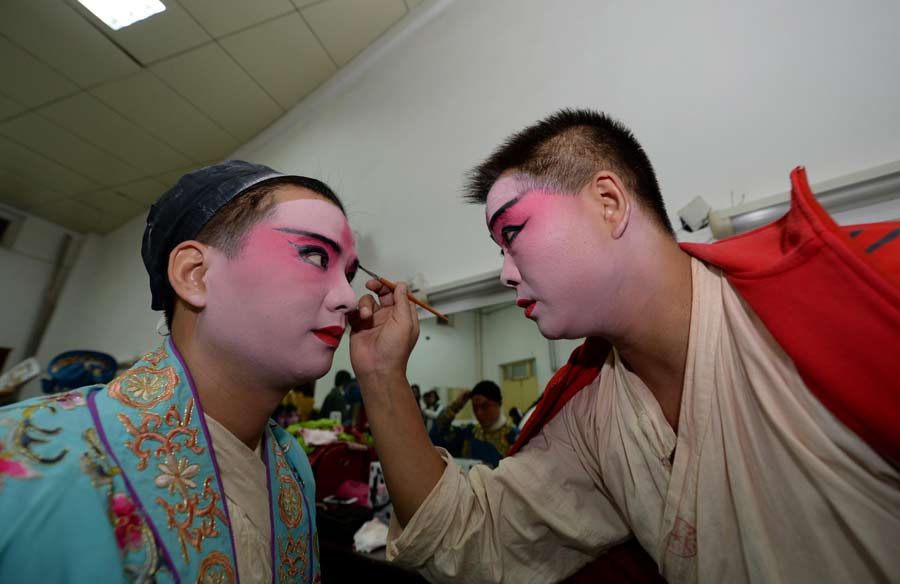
654 341
229 391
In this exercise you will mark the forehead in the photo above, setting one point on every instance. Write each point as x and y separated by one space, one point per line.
507 188
480 400
296 207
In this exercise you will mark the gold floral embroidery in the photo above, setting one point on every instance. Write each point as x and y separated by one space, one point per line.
144 387
290 503
94 462
290 499
216 569
177 474
292 558
191 509
150 429
154 357
129 525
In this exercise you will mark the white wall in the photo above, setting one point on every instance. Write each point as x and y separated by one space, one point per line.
105 305
25 272
726 99
444 357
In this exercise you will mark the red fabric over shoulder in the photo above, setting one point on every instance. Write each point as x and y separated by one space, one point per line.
830 296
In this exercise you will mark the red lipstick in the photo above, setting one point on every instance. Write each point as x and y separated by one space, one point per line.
527 304
330 335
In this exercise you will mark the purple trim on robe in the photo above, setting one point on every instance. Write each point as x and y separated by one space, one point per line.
212 452
309 520
95 416
271 511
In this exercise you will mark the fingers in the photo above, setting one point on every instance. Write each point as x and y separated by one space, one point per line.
385 294
367 306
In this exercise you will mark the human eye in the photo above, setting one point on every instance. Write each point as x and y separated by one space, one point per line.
509 233
313 254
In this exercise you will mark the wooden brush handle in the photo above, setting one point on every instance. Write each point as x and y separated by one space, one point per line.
392 285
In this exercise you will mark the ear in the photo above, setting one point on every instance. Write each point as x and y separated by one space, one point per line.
609 192
188 264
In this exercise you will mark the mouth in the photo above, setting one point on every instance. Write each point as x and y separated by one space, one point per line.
330 335
527 304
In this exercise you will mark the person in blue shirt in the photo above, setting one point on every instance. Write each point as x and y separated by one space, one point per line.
489 439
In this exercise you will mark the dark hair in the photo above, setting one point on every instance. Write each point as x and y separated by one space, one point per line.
565 150
488 389
307 389
226 229
342 378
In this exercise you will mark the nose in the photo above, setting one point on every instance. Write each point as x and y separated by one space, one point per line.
341 298
509 275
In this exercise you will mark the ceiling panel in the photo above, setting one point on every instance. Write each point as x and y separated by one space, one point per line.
28 80
210 79
48 139
22 192
9 108
159 36
283 56
72 214
170 178
112 203
346 27
222 17
145 99
42 170
97 123
145 191
55 33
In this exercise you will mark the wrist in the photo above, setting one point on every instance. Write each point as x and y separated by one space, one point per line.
382 380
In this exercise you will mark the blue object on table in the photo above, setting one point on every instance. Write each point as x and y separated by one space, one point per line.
74 369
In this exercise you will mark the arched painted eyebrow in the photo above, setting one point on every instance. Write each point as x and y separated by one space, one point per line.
499 212
329 242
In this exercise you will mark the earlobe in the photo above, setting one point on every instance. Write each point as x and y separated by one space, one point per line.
187 272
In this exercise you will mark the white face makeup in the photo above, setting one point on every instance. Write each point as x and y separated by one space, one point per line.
282 303
556 256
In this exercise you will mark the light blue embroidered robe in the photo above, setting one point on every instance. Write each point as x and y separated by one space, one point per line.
119 483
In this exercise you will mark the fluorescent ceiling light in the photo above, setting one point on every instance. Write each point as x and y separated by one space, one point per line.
121 13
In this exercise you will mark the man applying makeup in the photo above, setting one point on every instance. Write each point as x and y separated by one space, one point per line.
734 408
174 471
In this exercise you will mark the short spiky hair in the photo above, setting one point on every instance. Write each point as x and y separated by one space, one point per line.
565 150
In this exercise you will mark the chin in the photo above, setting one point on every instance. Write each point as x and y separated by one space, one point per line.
555 332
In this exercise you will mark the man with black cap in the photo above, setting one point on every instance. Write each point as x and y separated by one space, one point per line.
174 471
487 440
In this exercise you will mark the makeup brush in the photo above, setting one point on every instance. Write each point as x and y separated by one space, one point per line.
391 285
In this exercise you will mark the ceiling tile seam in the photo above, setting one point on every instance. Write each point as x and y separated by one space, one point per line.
318 40
199 110
43 186
54 161
310 5
251 76
89 141
232 33
92 21
105 213
32 110
147 129
45 63
230 56
212 38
